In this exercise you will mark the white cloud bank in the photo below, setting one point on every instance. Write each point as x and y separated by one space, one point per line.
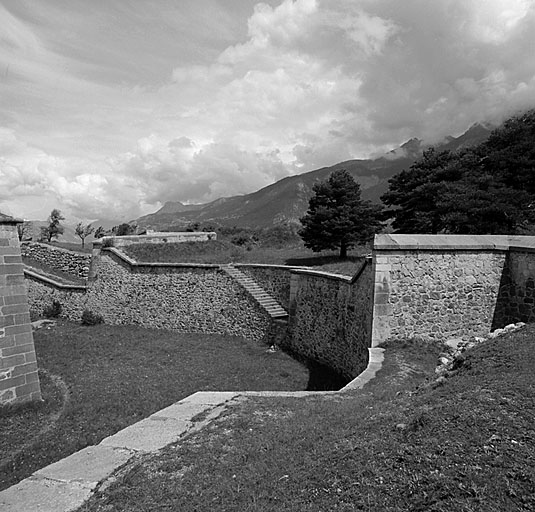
307 83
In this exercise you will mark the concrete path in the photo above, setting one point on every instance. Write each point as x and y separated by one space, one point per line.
67 484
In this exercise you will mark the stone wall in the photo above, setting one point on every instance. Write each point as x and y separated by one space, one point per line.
70 262
516 300
330 318
438 286
19 381
186 298
160 237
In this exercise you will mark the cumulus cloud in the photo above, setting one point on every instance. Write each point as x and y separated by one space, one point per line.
308 83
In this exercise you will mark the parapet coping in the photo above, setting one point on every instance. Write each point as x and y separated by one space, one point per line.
140 264
336 277
272 265
68 483
395 242
56 284
84 255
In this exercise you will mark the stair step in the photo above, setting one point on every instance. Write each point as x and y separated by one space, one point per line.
268 303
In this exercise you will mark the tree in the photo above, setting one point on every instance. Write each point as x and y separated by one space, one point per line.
123 229
54 228
100 232
83 231
337 217
489 188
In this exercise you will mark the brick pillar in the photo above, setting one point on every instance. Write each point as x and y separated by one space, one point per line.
19 381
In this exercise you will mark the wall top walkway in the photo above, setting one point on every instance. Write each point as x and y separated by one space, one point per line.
453 242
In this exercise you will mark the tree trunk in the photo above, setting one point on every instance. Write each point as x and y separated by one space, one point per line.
343 250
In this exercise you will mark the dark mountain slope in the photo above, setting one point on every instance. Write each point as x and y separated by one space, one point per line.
287 199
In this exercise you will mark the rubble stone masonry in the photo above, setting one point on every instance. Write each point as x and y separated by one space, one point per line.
19 380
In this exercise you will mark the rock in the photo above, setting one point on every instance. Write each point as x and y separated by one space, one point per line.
444 360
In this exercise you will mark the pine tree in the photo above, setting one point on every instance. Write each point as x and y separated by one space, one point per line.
337 217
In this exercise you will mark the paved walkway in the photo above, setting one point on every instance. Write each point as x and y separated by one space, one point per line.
68 483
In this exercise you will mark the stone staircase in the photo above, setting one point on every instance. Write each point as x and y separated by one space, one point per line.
268 303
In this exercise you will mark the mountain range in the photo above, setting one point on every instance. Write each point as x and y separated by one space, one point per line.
286 200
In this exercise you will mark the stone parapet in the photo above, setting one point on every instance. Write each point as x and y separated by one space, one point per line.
70 262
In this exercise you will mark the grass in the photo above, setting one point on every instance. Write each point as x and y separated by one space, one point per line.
117 375
52 273
400 444
223 251
75 247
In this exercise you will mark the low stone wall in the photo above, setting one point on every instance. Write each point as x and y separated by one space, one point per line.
331 318
70 262
192 298
19 380
160 237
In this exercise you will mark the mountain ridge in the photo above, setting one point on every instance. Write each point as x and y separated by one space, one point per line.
286 200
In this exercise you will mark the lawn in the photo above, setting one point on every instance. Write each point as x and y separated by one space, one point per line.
403 443
97 380
223 251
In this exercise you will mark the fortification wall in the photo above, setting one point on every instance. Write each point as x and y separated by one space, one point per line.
516 301
70 262
445 286
192 298
331 318
19 380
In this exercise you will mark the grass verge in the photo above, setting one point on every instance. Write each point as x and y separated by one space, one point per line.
400 444
117 375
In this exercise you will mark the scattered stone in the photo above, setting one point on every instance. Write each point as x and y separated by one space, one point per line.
448 364
39 324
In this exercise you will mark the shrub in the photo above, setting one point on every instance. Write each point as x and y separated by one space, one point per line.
90 318
107 242
54 310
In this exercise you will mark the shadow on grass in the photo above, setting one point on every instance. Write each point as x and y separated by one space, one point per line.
318 261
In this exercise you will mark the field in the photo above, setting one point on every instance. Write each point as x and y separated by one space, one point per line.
221 252
98 380
402 443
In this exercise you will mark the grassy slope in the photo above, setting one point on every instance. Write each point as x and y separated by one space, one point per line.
468 445
217 251
117 375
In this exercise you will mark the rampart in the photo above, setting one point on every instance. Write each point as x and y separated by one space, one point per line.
450 286
19 380
331 318
70 262
186 298
414 286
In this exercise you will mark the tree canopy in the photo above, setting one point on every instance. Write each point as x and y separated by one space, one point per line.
54 227
83 231
489 188
337 217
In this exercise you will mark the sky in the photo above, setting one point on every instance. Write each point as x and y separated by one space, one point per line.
110 108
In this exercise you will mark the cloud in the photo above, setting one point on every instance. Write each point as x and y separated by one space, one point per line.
192 115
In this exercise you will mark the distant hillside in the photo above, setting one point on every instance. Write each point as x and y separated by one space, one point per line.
287 200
